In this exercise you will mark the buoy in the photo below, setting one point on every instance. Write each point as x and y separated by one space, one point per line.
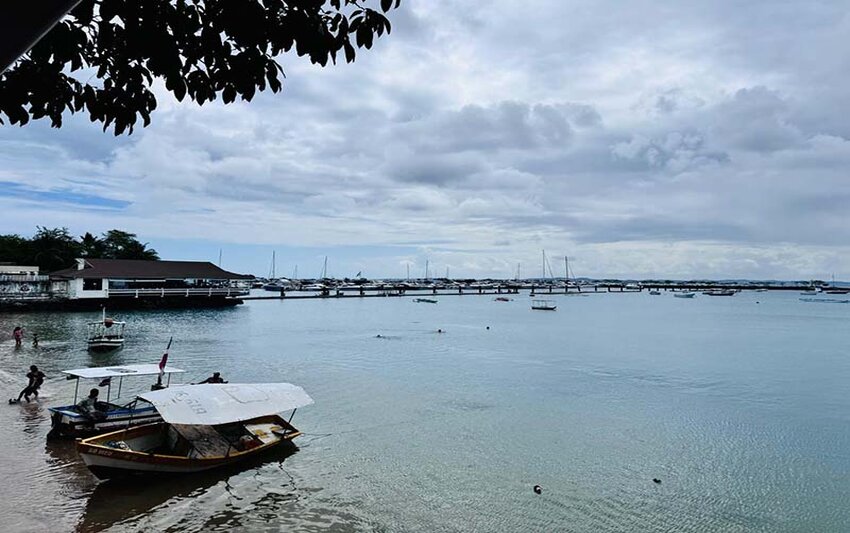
538 489
656 480
488 327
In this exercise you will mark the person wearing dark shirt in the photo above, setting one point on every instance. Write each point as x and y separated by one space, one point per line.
215 378
36 379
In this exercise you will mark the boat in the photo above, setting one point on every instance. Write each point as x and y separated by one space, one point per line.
204 427
501 299
761 289
810 292
543 305
655 293
425 300
684 294
106 334
69 421
720 292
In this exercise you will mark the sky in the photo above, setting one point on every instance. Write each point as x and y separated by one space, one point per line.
700 139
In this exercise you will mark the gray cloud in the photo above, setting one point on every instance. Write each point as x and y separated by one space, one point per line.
638 136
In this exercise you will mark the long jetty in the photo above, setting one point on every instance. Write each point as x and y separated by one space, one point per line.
508 288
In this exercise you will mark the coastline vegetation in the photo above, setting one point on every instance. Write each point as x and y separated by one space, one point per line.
55 248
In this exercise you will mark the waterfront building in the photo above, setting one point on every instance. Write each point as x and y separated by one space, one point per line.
132 278
25 283
123 283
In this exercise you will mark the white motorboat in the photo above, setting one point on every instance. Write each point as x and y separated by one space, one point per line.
106 334
684 294
543 305
205 427
71 421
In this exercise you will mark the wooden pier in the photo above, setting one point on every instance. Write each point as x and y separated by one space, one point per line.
400 291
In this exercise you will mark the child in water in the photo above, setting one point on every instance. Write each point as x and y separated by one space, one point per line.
18 334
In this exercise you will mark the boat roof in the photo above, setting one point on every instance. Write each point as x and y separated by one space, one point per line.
121 370
213 404
103 323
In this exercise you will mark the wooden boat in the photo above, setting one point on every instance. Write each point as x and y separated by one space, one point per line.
204 427
543 305
105 335
425 300
70 421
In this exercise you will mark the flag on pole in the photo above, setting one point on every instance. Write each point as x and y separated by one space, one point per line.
164 359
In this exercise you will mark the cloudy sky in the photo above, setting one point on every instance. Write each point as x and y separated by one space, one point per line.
641 138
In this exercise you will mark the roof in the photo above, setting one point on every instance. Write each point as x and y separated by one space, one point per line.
140 269
122 371
213 404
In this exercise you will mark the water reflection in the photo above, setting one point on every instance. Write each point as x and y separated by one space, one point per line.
122 502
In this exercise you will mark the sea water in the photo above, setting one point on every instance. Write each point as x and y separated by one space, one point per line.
738 405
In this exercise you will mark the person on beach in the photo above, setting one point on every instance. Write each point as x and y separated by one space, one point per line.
36 379
215 378
18 333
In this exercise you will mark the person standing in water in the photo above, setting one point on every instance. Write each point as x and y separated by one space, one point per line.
36 379
18 334
35 340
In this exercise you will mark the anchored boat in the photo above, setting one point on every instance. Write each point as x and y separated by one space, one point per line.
425 300
684 294
205 427
72 421
543 305
106 334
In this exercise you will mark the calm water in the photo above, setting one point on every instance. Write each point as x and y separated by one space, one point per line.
739 405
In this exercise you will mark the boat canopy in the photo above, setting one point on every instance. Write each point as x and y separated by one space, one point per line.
213 404
121 371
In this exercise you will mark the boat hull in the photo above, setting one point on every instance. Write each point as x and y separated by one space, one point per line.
107 461
105 345
67 423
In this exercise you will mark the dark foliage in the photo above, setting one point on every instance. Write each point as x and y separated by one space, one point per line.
104 57
55 249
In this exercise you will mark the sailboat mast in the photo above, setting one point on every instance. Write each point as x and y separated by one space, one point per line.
408 271
426 269
544 264
447 272
325 268
295 275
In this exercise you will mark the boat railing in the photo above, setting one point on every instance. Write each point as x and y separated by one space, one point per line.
163 292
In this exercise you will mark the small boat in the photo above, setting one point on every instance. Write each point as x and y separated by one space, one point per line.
501 299
810 292
761 289
720 292
105 335
69 421
425 300
204 427
684 294
655 293
543 305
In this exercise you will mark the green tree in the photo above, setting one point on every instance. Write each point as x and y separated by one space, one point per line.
91 246
54 249
104 57
119 244
15 249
